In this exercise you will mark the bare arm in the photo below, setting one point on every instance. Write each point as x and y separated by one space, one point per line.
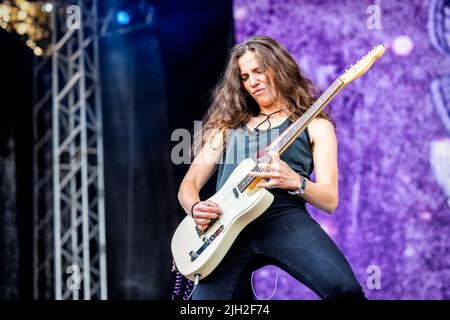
201 169
323 193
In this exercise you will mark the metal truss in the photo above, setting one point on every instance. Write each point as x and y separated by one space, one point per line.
69 210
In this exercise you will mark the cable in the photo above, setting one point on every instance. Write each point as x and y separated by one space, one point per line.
274 289
196 281
178 282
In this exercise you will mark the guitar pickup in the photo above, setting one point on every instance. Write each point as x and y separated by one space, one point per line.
202 232
206 242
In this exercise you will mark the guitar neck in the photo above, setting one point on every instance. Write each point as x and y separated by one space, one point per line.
283 141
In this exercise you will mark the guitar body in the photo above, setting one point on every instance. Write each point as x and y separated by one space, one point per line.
238 210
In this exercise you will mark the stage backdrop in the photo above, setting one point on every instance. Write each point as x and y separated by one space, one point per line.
393 216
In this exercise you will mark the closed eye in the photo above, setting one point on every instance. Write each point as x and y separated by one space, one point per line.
254 70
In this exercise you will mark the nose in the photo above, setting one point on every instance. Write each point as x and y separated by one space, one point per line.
253 81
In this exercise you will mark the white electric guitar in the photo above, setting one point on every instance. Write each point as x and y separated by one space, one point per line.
197 253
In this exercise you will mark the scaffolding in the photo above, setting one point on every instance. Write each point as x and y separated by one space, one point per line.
69 207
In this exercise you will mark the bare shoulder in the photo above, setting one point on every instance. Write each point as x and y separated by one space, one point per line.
213 143
320 128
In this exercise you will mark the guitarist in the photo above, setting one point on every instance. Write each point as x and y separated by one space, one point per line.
261 92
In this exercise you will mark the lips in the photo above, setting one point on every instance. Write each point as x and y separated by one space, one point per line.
259 91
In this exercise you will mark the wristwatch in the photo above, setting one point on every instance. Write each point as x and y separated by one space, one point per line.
301 188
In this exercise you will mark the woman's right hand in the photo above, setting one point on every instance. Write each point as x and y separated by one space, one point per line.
203 212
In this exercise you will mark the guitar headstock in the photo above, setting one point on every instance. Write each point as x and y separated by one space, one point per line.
357 70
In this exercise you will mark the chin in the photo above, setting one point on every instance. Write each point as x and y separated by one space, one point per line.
265 103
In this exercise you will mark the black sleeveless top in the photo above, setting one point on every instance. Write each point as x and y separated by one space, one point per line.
243 143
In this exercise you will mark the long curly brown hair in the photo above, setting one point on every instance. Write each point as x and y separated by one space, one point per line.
232 106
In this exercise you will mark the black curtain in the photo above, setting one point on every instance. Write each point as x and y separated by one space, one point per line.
154 81
196 37
16 268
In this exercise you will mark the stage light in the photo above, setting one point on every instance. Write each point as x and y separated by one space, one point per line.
28 19
5 13
402 45
38 51
409 251
22 28
122 17
21 15
426 216
240 13
30 44
48 7
24 5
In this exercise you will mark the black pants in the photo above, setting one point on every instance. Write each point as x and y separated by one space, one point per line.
285 236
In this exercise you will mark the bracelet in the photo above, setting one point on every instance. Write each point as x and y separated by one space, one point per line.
192 209
301 188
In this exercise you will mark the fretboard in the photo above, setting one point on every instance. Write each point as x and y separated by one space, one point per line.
282 142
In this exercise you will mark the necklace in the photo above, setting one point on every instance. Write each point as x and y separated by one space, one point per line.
266 119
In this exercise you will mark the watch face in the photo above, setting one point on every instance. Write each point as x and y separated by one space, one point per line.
303 186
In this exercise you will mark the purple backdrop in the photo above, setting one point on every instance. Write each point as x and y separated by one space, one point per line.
393 212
